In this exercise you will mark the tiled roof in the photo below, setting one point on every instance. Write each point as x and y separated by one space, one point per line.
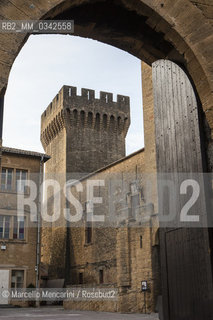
26 152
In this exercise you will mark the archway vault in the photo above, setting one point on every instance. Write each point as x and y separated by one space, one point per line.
181 31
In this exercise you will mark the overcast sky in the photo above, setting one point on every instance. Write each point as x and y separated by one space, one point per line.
46 63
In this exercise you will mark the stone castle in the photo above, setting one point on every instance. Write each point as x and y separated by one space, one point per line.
82 133
85 138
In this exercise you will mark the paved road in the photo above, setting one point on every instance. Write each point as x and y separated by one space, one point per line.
58 313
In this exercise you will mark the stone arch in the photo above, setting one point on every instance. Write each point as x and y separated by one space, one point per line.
97 121
105 120
126 124
75 117
119 124
112 123
170 31
82 117
90 119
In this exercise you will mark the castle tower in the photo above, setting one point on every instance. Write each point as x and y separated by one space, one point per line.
82 133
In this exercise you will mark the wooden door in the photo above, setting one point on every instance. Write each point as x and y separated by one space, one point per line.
185 259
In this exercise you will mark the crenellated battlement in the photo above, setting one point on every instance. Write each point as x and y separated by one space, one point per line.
69 110
57 103
88 95
68 94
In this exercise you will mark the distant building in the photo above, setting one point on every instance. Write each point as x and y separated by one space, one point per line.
18 239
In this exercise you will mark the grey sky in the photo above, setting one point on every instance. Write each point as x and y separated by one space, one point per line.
46 63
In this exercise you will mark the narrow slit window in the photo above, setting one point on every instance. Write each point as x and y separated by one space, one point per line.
88 233
141 242
80 278
101 276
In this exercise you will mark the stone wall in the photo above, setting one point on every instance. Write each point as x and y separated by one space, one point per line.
122 248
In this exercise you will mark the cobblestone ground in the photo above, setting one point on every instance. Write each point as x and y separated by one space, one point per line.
58 313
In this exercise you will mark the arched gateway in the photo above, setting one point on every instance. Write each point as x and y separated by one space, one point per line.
181 31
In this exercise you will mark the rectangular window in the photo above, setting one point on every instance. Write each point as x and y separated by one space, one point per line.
4 227
101 276
6 179
21 177
17 280
18 229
